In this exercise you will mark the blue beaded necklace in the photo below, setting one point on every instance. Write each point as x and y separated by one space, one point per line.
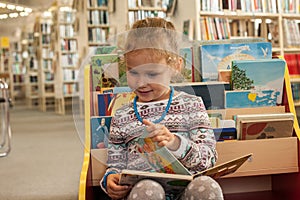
163 114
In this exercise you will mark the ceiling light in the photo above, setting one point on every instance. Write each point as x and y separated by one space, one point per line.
13 15
19 8
10 7
28 10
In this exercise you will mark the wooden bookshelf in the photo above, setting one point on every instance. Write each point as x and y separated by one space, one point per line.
18 70
66 54
277 23
5 64
43 41
273 160
31 64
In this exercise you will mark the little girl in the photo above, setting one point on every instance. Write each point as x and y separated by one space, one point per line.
176 120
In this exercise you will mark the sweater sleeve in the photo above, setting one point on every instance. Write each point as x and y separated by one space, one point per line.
117 152
198 151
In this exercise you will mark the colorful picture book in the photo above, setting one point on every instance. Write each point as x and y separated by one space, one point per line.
176 183
100 131
187 70
104 71
107 103
264 126
256 83
218 57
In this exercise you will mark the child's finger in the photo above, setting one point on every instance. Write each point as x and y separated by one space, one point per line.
147 122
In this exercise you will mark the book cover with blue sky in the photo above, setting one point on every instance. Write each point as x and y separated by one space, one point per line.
256 83
218 57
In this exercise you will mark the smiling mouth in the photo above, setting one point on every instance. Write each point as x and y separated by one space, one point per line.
143 92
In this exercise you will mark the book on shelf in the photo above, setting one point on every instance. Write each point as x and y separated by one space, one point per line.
188 28
293 63
100 126
218 57
104 71
176 183
106 104
263 126
188 64
256 83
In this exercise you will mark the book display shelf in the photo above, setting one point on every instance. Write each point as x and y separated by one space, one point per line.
43 30
30 62
66 56
274 161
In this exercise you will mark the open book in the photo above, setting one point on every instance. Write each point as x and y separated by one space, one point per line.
170 173
175 183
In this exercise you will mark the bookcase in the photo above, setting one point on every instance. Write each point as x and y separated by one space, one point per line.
44 55
66 56
18 70
31 64
274 160
5 64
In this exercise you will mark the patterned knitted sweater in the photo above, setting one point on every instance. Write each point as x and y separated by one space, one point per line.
187 118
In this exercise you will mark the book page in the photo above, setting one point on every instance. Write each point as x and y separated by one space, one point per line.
225 168
160 158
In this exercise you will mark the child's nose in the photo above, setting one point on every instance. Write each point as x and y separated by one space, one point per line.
141 81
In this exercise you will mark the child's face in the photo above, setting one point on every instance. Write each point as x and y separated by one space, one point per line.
148 77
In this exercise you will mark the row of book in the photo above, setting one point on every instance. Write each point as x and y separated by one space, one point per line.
69 89
292 32
97 35
66 31
96 17
142 14
296 92
69 60
148 3
68 44
47 65
46 39
18 78
47 53
70 74
67 16
96 3
46 28
260 6
214 28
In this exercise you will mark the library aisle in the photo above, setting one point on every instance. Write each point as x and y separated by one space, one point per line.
45 159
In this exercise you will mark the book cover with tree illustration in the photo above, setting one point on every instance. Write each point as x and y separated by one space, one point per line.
256 83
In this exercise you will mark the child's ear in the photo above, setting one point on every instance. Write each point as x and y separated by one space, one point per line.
179 63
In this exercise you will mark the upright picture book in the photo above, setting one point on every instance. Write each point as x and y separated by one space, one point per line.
104 71
217 58
256 83
264 126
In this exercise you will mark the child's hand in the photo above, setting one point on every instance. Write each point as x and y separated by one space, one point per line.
160 134
114 190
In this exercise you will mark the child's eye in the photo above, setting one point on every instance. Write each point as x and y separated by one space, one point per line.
152 75
133 72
